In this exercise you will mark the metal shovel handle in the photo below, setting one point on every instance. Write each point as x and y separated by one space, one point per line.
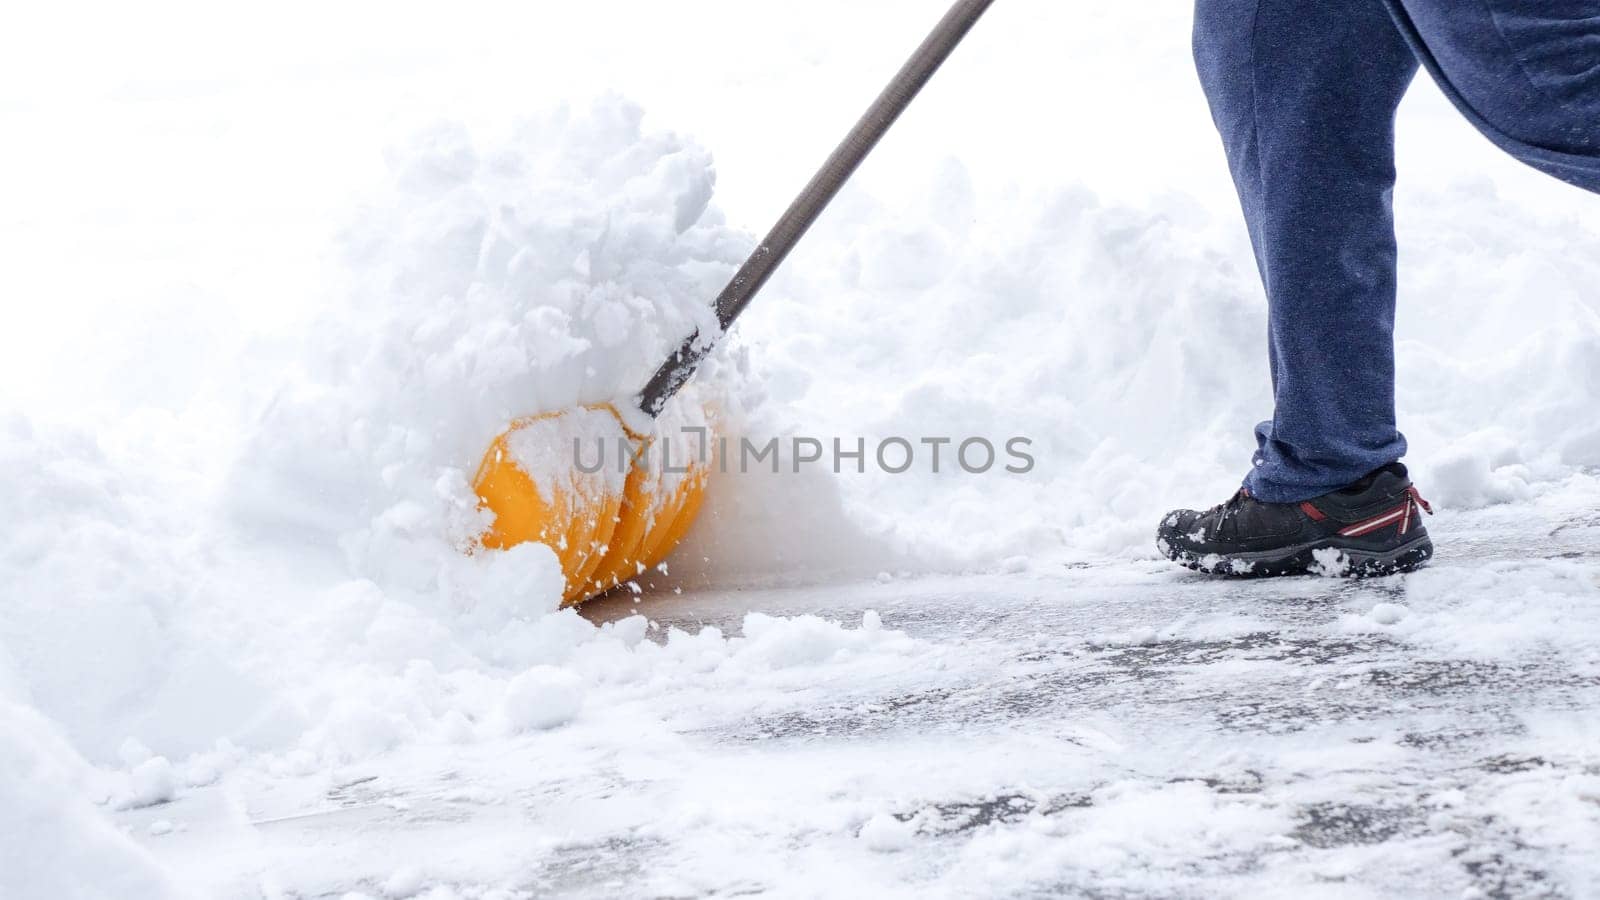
805 209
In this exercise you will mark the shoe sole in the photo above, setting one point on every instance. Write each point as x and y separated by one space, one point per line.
1326 557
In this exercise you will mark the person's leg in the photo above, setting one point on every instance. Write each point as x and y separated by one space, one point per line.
1525 72
1304 93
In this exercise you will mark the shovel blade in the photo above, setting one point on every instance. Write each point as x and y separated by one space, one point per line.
606 526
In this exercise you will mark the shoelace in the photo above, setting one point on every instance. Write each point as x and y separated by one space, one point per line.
1232 503
1415 495
1225 510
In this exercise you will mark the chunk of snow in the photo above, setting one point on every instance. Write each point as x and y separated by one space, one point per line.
1329 562
542 697
405 882
776 642
199 773
884 833
1387 613
1465 476
152 782
57 844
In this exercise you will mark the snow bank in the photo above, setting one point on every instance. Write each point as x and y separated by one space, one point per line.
495 278
312 600
56 843
1126 339
102 590
307 603
492 280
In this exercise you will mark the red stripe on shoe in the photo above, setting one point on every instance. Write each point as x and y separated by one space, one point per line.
1311 510
1366 526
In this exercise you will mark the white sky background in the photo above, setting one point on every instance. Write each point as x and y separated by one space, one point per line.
166 163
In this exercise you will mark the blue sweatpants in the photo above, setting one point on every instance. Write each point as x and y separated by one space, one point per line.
1304 93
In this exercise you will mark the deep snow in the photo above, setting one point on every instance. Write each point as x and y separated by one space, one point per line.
253 362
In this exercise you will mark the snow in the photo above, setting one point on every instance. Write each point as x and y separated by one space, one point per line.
56 843
886 834
1465 477
546 448
1387 613
542 697
407 882
150 783
1329 562
279 289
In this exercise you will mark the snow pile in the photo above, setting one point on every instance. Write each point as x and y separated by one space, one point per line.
309 606
102 614
56 843
151 782
1126 339
1497 399
191 604
1059 314
806 640
493 280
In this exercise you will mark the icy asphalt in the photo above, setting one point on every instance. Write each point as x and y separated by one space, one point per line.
1117 730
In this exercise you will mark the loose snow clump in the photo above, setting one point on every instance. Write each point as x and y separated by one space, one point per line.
1388 613
808 640
884 833
542 697
151 782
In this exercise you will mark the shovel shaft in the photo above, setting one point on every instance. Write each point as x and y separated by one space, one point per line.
805 209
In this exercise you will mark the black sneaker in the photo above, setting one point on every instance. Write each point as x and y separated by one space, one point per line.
1373 527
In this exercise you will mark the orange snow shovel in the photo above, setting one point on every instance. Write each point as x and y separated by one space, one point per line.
606 527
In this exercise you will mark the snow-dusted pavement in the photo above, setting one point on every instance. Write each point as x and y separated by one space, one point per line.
1111 731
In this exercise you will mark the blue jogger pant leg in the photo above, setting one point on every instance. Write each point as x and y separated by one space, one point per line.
1304 94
